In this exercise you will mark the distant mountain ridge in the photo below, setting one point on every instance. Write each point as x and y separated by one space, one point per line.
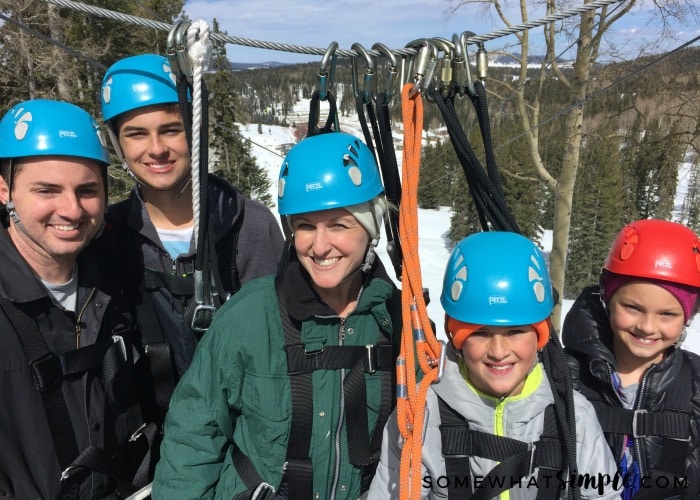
496 60
261 65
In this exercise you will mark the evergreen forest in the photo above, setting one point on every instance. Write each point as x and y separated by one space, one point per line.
640 129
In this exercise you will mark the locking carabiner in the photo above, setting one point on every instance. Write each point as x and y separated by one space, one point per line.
392 70
462 72
422 65
325 78
445 84
369 85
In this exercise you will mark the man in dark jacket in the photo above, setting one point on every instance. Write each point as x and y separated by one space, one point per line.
153 231
65 356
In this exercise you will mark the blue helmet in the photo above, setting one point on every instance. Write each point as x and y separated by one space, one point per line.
42 127
497 278
135 82
327 171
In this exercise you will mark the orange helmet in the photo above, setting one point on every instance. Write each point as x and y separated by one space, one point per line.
656 249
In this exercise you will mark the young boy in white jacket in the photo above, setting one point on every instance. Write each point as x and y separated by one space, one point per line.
491 429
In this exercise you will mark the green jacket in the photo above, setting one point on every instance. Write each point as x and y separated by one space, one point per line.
237 391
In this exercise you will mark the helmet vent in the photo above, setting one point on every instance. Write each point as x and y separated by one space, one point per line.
22 125
349 160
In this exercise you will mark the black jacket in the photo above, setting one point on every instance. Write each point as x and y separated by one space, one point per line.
133 240
29 466
588 338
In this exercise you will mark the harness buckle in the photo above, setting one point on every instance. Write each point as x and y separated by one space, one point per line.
441 361
52 364
263 491
372 360
138 433
531 448
635 425
119 340
314 353
199 311
68 472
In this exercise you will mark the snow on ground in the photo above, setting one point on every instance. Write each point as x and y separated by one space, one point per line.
433 225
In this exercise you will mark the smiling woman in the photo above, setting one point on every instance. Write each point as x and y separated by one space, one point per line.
319 340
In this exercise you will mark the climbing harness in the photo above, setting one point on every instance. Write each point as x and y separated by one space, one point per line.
672 425
49 370
363 447
517 459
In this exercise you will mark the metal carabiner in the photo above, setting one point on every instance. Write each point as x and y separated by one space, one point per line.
424 66
325 78
392 70
369 85
180 63
445 84
462 74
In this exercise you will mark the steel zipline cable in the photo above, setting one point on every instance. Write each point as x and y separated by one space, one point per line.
299 49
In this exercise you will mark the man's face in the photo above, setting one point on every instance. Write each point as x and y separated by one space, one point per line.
60 202
155 147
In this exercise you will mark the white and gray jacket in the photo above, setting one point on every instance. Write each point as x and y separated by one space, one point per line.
518 417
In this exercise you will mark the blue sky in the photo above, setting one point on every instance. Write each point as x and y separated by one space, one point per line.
317 23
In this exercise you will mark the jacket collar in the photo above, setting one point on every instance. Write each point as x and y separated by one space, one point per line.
301 298
19 283
225 207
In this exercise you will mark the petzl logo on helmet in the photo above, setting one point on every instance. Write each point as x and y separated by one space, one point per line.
67 133
664 264
497 299
313 186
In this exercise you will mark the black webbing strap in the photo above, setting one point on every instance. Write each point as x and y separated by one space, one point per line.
369 358
388 166
57 415
94 459
517 458
484 183
257 488
51 369
639 423
314 112
299 470
391 179
672 424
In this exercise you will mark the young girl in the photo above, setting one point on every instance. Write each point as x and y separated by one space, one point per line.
490 428
624 337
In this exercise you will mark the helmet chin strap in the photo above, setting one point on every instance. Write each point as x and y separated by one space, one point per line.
14 217
371 255
681 339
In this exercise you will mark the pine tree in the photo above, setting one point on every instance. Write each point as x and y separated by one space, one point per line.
231 156
596 214
438 167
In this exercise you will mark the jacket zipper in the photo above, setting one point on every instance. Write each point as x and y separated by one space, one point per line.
341 416
77 328
641 393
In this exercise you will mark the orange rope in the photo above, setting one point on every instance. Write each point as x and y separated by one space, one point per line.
417 339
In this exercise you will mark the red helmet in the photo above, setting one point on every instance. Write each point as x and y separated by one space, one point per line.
656 249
